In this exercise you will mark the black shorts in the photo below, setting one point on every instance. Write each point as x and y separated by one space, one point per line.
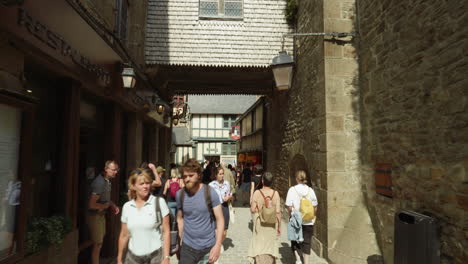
225 208
304 247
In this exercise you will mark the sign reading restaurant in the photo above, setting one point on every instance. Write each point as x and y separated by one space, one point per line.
56 42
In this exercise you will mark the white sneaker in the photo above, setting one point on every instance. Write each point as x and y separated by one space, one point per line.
298 262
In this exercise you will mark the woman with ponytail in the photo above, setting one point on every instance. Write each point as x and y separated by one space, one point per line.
293 201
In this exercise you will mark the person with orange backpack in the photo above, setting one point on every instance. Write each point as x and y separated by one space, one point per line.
301 200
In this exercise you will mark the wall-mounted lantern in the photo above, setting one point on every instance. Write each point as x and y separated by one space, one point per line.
160 109
282 67
128 77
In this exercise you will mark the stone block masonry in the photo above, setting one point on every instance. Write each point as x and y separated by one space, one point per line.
414 114
323 127
397 93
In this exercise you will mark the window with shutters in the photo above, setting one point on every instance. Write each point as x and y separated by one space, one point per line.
221 9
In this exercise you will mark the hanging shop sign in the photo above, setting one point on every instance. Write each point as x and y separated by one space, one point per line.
234 133
57 43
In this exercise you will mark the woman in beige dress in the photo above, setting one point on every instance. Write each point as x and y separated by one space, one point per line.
263 247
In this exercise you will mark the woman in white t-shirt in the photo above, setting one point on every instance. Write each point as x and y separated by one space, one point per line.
142 221
293 201
223 189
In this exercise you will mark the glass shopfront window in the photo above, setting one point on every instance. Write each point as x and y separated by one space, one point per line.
10 186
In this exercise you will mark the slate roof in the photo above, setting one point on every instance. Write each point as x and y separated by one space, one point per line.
220 104
181 136
176 35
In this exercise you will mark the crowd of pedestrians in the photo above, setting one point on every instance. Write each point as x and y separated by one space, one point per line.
188 214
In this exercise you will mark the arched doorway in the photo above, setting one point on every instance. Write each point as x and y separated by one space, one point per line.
298 163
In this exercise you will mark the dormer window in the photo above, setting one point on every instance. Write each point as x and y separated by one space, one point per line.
221 9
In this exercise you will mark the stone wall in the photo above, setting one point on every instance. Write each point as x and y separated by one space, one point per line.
322 132
413 82
303 123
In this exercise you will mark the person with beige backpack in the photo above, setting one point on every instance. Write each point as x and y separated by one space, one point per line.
301 199
266 228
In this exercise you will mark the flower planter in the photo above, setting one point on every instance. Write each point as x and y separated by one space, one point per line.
65 253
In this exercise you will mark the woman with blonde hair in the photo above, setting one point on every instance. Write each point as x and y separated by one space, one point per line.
301 190
143 217
171 187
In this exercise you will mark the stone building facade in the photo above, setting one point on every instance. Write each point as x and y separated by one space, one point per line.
395 94
64 112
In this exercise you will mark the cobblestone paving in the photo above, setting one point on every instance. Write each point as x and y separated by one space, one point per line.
238 239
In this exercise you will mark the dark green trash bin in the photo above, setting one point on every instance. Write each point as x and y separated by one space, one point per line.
416 239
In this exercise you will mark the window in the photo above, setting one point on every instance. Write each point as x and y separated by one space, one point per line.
221 8
229 149
10 133
228 121
121 19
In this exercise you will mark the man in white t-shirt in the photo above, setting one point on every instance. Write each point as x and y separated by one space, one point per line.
293 202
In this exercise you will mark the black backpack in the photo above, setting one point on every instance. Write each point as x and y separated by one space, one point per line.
174 233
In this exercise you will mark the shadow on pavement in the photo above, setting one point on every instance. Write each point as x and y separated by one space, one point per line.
285 253
228 243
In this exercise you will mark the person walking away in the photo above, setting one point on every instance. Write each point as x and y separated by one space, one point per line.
228 176
199 217
266 209
159 188
256 180
234 184
143 218
246 179
150 168
174 184
223 189
207 172
98 204
294 203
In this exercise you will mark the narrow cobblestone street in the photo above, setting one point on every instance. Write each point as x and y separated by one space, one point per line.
238 238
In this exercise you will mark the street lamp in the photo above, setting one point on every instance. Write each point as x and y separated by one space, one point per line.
128 77
282 66
160 109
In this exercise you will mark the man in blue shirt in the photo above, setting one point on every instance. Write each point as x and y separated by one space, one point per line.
200 221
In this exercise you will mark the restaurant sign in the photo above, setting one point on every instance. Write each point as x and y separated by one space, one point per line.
56 42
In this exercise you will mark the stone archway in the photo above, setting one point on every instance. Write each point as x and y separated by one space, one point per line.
298 162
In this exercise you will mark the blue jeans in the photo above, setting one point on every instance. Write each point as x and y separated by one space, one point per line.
173 208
